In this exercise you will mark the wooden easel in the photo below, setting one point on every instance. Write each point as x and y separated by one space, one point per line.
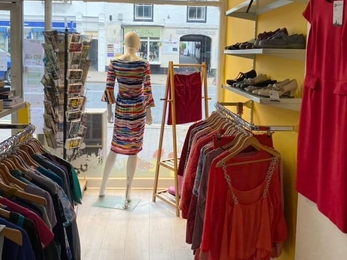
172 163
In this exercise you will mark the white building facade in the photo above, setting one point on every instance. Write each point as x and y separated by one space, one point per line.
167 32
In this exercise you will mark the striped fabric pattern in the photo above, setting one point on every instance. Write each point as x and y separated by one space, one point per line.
133 97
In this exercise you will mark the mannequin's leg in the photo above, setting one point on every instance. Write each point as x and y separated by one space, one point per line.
110 161
131 166
109 113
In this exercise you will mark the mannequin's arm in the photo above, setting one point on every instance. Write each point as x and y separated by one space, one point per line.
149 118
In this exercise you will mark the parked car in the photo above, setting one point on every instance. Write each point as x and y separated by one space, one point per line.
6 74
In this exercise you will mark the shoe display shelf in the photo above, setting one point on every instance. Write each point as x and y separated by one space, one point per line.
258 7
296 54
285 103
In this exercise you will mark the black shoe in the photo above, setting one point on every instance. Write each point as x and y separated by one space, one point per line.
242 76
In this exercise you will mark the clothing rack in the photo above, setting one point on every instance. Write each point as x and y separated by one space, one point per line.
172 163
221 107
16 139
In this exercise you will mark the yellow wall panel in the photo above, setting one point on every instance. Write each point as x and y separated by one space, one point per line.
279 68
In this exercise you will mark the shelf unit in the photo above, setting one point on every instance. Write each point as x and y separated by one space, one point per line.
296 54
258 7
285 103
14 108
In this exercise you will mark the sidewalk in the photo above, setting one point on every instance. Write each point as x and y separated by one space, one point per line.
156 79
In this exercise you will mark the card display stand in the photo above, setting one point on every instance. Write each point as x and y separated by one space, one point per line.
66 69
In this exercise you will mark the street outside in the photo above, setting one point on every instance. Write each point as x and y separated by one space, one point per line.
95 86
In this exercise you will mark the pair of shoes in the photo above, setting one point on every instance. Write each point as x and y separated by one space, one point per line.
267 35
284 88
250 81
270 86
284 41
241 45
242 76
260 85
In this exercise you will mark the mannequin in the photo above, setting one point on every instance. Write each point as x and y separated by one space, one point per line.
132 109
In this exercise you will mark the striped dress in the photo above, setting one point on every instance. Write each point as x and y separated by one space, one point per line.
133 97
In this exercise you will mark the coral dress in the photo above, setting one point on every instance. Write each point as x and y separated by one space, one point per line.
134 96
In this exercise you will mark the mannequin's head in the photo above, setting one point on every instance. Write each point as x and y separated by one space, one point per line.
132 40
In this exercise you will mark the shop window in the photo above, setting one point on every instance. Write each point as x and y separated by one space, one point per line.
196 14
149 49
143 12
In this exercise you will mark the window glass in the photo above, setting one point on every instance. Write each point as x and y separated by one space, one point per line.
143 12
149 50
196 13
176 33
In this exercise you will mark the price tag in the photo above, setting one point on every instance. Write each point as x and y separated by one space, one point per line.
338 13
274 96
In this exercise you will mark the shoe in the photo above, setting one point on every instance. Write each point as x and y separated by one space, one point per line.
235 46
247 44
252 88
285 89
283 41
253 81
260 85
270 86
267 35
242 76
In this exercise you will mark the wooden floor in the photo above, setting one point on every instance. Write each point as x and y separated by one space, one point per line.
150 232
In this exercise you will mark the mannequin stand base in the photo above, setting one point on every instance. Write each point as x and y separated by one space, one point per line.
116 202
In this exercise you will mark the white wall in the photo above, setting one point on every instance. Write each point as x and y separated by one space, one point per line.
317 238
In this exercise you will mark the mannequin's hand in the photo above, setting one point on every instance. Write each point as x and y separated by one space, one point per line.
149 118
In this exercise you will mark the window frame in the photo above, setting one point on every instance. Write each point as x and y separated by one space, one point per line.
142 18
189 20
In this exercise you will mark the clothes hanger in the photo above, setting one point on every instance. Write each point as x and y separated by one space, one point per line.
3 177
27 158
40 148
5 171
4 213
13 234
8 190
12 162
250 140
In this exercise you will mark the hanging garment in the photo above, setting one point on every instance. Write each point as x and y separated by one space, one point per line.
186 148
46 236
322 142
133 98
244 176
190 172
201 190
253 222
13 251
188 100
